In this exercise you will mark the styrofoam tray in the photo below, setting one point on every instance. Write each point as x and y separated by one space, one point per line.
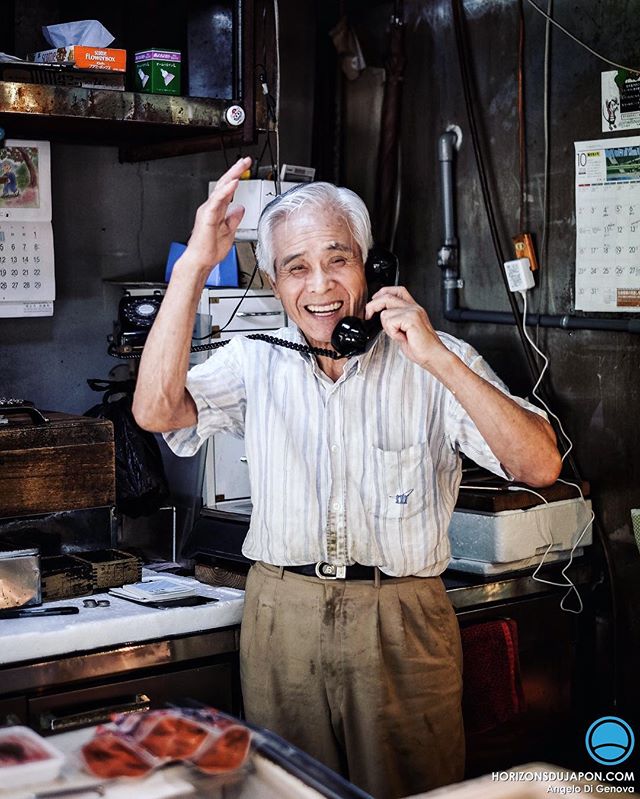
512 535
32 770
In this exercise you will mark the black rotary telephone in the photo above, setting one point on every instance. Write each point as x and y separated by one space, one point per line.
135 317
350 336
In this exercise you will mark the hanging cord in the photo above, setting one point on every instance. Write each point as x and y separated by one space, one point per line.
276 26
462 48
214 345
579 41
544 284
592 520
522 133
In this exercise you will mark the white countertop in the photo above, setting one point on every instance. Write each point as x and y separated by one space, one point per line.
123 622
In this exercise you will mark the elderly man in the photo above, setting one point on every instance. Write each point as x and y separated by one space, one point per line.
349 646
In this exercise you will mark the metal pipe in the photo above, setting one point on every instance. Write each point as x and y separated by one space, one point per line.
451 282
448 253
564 321
446 147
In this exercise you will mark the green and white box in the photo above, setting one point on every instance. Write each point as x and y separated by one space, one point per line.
157 71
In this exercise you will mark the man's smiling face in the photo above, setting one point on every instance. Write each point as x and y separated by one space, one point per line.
319 272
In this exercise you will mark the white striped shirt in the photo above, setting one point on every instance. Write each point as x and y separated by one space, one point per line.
364 470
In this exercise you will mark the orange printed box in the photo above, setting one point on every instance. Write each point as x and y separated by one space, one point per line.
104 58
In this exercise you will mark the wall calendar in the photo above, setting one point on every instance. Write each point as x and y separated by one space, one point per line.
608 225
27 280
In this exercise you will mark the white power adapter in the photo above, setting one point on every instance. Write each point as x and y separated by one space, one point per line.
519 274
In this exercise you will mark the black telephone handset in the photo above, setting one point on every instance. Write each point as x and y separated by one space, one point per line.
351 334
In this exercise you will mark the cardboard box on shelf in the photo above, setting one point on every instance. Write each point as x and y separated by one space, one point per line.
158 71
62 75
107 59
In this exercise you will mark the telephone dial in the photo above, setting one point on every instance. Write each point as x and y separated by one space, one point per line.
135 317
349 337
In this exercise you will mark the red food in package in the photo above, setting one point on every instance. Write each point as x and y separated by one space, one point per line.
17 749
112 755
224 753
211 741
173 737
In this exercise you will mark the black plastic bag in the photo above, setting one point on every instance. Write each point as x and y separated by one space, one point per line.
141 483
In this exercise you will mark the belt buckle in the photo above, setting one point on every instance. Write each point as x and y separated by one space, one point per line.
328 571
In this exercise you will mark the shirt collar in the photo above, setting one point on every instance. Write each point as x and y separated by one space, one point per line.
373 346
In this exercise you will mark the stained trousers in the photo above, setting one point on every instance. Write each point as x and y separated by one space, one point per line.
366 679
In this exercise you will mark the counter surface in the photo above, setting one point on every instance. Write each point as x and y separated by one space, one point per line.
24 639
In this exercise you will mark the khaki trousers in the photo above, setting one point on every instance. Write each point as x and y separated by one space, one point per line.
366 679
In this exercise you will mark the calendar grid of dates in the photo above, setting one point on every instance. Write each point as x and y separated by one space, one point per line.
26 262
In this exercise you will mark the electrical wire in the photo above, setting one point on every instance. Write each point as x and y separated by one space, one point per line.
465 73
544 253
579 41
272 104
568 583
534 390
242 299
522 143
224 152
466 85
276 23
566 482
546 168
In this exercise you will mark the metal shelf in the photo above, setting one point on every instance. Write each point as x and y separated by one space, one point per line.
136 122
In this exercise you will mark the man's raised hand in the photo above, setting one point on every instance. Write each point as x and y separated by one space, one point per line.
215 225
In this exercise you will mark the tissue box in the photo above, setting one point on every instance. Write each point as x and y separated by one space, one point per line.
107 59
223 274
62 75
157 71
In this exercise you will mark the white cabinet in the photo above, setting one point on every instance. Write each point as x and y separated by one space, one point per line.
226 475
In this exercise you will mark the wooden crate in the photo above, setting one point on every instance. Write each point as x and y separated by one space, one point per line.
66 464
111 567
65 576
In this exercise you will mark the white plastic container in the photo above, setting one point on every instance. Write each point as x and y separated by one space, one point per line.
512 535
26 758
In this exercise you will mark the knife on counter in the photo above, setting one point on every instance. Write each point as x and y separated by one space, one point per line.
20 613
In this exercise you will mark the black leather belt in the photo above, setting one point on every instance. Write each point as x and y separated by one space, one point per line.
327 571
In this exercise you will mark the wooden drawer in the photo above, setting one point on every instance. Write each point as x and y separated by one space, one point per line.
66 464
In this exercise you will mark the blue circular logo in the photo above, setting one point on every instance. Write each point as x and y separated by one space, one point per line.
610 740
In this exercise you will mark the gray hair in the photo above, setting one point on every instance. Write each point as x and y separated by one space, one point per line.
324 196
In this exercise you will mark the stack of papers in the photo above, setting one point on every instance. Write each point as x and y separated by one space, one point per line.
155 589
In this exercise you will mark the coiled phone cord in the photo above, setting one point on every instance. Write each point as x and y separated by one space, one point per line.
291 345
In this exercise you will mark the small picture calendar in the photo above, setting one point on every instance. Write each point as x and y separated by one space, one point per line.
27 280
608 225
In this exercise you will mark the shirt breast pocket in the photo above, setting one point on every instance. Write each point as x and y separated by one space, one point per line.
400 481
